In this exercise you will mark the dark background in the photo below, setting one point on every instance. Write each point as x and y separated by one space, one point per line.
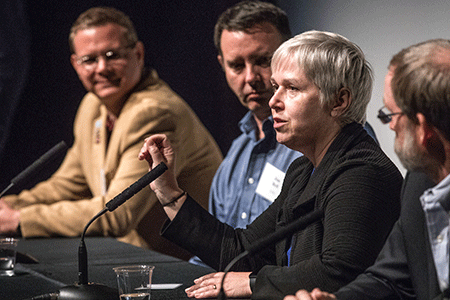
178 37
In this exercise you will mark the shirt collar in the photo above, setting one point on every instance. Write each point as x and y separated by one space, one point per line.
440 192
248 125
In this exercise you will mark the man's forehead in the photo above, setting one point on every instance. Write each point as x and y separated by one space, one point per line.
108 29
240 43
108 35
262 27
275 36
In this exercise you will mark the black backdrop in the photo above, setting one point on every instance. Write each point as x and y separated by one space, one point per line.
178 37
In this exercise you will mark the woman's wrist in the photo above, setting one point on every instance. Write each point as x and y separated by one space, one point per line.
174 200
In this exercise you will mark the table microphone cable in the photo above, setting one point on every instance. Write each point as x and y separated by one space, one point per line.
49 296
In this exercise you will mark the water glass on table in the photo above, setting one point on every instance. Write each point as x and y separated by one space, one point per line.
134 281
8 247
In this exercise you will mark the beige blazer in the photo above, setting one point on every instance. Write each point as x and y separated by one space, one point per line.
94 171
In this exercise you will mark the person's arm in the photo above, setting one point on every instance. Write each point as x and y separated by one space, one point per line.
157 149
199 232
388 278
9 220
193 228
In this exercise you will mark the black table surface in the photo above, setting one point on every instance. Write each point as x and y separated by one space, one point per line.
57 267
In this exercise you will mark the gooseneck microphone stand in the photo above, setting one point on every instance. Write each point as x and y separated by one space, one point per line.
94 291
85 290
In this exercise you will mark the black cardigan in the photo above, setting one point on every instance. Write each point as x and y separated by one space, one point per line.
358 188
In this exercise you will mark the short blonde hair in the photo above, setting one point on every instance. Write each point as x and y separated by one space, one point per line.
331 62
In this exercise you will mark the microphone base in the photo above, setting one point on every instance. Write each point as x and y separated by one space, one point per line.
90 291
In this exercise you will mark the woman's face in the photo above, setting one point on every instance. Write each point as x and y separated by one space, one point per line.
300 121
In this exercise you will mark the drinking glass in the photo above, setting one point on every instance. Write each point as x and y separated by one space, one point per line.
7 255
134 281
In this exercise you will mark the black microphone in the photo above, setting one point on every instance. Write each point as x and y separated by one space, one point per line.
136 187
36 166
272 238
94 291
110 206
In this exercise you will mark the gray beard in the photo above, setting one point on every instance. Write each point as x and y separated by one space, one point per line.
414 160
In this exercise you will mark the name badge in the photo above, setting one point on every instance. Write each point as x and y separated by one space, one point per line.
270 183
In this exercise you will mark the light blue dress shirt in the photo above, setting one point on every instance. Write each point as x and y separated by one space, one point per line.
233 198
437 219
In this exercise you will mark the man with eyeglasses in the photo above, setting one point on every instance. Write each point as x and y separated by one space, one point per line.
386 117
414 262
125 103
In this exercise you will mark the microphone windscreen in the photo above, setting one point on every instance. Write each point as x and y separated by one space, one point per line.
40 163
136 187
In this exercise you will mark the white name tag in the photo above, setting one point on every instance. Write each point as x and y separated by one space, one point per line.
270 183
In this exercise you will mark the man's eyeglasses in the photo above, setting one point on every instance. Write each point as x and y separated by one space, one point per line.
111 57
384 117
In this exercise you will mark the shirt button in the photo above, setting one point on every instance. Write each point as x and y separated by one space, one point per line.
251 180
243 216
439 238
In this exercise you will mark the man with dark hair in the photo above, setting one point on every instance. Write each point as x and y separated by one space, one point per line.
250 177
414 262
125 103
246 15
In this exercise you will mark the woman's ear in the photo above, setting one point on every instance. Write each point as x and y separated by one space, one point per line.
342 103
